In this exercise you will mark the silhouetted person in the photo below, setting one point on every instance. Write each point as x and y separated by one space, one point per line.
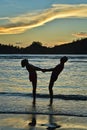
54 76
32 75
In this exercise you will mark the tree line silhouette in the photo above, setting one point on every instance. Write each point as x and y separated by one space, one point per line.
75 47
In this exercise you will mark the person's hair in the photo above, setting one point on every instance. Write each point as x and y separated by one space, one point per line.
64 59
24 62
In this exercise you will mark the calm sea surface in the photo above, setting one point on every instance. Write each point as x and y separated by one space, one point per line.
70 90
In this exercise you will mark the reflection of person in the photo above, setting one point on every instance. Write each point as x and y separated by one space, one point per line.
52 123
33 120
55 73
32 75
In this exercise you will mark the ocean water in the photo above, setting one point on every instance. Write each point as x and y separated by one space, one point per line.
70 90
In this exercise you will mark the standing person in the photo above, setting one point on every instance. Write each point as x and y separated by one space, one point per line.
32 76
54 76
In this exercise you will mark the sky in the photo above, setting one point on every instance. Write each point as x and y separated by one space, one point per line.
51 22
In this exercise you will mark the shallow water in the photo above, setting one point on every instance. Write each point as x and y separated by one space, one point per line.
70 90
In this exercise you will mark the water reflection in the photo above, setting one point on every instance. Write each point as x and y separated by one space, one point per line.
51 125
32 124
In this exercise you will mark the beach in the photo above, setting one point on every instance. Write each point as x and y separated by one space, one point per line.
69 109
42 116
43 122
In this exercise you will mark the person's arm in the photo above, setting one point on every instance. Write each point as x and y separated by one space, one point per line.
43 70
38 69
48 70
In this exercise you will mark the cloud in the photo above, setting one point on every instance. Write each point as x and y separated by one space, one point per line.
81 34
4 18
27 21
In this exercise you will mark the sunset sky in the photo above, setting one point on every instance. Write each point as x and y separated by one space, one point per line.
51 22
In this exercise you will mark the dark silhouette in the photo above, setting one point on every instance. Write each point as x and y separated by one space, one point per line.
32 75
54 76
75 47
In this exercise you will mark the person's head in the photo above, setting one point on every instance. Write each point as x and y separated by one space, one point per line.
63 59
24 62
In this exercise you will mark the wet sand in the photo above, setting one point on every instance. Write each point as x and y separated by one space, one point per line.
41 122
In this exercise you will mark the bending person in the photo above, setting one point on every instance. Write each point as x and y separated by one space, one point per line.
32 76
54 76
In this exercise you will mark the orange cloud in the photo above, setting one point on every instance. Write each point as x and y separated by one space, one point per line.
27 21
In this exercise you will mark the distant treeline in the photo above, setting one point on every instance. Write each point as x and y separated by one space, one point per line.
75 47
